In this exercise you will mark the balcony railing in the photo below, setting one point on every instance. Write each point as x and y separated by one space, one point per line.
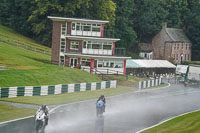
104 34
118 52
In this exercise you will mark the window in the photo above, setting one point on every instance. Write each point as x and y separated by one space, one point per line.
182 46
100 63
62 60
175 46
186 46
185 57
87 27
107 47
73 26
96 27
96 46
78 26
188 57
62 45
89 46
118 64
176 56
74 45
84 44
85 62
63 29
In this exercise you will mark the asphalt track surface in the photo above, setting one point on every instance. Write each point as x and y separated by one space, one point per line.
126 113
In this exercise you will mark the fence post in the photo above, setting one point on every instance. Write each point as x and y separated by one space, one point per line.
126 76
140 84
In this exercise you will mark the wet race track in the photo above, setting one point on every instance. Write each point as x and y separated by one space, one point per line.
127 113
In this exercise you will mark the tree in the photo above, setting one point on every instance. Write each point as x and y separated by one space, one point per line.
147 18
192 22
176 11
14 13
124 25
98 9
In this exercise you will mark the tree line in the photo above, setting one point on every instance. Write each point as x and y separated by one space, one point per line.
133 21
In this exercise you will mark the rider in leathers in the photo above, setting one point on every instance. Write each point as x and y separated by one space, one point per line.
102 98
45 109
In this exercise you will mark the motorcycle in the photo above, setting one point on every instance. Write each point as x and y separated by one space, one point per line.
40 121
100 108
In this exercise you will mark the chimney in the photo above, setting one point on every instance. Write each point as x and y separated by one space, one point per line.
164 25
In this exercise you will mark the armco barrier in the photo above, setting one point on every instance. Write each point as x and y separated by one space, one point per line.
54 89
150 83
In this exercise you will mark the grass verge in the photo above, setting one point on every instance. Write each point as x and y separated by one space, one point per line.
68 97
8 112
188 123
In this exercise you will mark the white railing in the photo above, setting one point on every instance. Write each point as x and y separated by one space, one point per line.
97 51
86 33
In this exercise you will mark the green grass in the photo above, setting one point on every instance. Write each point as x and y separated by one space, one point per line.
184 124
27 68
68 97
129 81
10 34
191 62
8 112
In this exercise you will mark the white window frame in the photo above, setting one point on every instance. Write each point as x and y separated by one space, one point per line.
74 43
61 41
60 61
63 32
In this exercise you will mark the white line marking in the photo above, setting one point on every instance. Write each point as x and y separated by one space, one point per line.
16 120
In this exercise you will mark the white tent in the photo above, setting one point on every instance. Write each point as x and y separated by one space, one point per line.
154 63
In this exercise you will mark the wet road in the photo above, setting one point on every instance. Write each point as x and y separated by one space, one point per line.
124 114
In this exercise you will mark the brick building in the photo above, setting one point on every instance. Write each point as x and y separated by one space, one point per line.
81 43
171 44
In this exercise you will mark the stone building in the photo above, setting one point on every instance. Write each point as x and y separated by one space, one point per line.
171 44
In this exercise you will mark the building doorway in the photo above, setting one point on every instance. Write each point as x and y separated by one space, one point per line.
73 62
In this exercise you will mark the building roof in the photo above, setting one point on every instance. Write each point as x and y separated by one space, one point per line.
145 47
76 20
177 34
149 64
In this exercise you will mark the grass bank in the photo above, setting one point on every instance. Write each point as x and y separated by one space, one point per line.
10 34
26 68
184 124
8 112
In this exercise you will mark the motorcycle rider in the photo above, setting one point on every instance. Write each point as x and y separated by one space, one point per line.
102 98
45 109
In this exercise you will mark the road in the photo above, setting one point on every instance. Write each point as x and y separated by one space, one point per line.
126 113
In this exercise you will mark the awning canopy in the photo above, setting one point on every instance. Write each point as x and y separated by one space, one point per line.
149 64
